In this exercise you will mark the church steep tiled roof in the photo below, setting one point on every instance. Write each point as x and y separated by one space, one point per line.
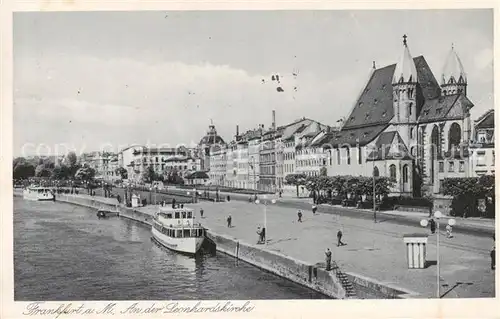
357 136
385 147
375 105
374 108
487 120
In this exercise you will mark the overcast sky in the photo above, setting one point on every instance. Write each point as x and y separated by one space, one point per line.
86 79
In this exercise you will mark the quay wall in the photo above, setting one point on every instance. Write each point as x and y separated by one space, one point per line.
303 273
284 266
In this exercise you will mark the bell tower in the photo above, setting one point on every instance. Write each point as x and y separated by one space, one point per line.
404 88
453 79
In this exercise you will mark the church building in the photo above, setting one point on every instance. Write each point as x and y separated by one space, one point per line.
405 124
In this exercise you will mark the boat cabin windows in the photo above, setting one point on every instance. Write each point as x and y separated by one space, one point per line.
177 215
190 214
184 215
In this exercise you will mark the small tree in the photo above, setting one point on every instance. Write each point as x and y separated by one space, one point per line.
122 172
22 169
148 175
296 180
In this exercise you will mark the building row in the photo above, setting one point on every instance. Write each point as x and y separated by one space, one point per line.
405 125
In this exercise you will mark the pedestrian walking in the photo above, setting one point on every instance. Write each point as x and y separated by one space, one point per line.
255 198
229 220
299 214
433 225
339 239
314 208
228 198
449 230
201 212
328 255
263 235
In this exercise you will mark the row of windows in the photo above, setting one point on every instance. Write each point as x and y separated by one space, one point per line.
163 166
268 170
451 166
289 168
268 158
179 233
289 156
311 162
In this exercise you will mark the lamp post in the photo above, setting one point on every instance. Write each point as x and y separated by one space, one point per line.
193 192
374 196
265 202
424 223
150 191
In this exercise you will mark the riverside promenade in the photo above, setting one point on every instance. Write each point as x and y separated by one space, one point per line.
374 251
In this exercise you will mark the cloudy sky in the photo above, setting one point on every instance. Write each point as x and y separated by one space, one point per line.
88 79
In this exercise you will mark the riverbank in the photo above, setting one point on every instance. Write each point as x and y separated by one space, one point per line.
373 264
311 276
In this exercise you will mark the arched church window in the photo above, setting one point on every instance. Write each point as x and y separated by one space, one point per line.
454 136
412 133
410 106
405 174
392 171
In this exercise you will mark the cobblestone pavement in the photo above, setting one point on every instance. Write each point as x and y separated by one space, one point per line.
374 250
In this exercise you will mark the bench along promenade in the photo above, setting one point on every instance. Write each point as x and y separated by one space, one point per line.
373 259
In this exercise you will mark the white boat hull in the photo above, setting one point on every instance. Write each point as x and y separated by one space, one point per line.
37 196
188 245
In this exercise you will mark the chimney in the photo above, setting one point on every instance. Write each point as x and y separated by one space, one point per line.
237 130
273 125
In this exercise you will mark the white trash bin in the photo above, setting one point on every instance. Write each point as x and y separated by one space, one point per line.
416 250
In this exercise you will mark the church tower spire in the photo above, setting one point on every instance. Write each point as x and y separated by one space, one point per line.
404 88
453 78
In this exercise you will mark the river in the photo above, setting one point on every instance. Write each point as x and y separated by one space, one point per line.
63 252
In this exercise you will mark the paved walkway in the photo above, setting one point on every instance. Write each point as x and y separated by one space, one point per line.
373 250
487 224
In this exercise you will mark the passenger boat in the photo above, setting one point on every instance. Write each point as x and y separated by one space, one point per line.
175 228
38 193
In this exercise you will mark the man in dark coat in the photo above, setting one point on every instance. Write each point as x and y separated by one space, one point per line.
339 239
299 214
229 219
433 225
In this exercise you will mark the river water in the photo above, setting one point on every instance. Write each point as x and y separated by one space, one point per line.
63 252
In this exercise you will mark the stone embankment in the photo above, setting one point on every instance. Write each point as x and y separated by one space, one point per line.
335 283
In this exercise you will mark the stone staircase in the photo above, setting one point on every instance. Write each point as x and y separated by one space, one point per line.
346 283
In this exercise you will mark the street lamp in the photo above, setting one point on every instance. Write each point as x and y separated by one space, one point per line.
193 191
265 202
424 223
374 196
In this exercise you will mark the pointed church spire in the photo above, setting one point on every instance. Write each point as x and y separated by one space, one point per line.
405 71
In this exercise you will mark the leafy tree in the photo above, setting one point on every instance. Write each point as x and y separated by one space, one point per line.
465 192
21 169
122 172
296 180
148 175
85 173
70 159
42 170
61 172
